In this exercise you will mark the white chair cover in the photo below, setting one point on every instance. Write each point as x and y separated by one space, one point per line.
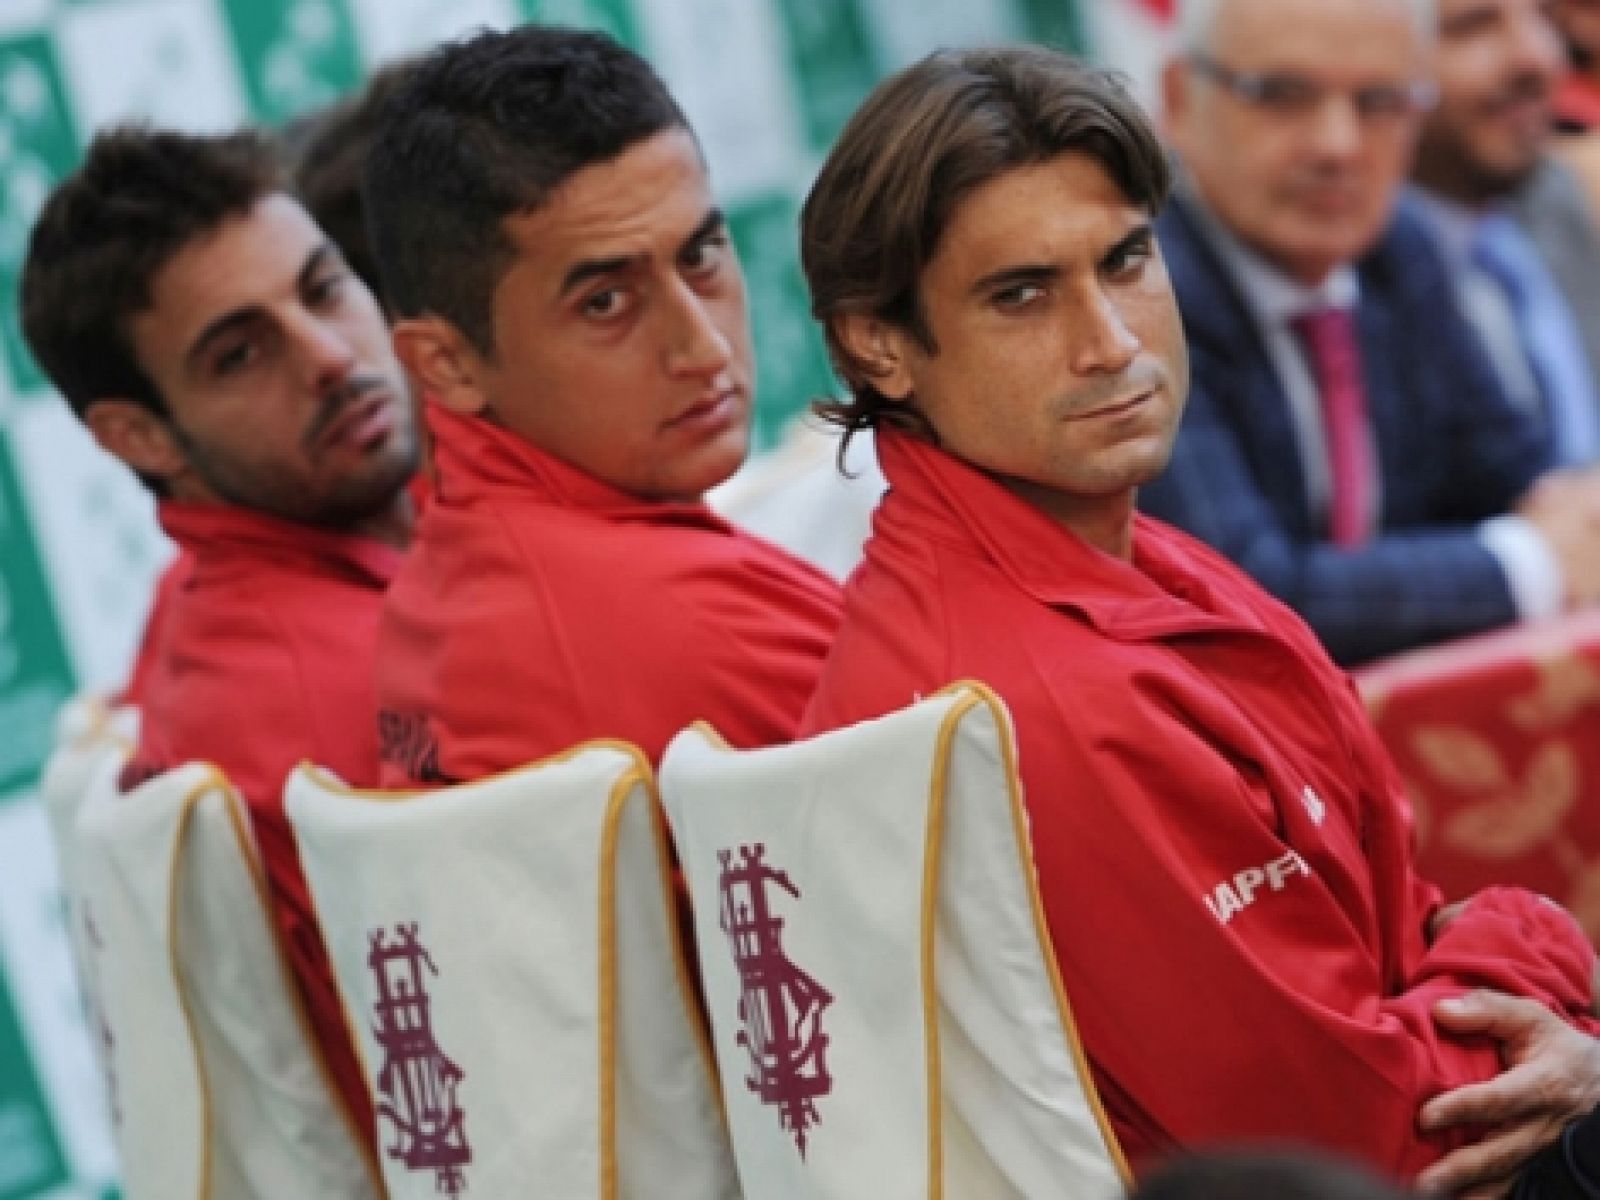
215 1089
887 1013
92 739
507 953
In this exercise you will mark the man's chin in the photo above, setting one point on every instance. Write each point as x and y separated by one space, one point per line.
715 464
1510 171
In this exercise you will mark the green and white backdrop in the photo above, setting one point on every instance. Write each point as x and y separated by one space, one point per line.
766 82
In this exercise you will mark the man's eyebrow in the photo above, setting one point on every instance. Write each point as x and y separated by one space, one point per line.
234 319
1013 276
714 222
1139 237
219 328
322 256
592 268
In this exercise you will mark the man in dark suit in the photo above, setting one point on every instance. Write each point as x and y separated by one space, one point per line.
1346 440
1512 222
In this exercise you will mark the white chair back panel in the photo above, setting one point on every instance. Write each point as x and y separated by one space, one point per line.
280 1131
668 1109
953 1066
126 866
89 754
467 928
90 737
1014 1074
853 931
216 1090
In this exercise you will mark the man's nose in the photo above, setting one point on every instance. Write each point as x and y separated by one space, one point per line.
326 355
697 346
1335 129
1107 346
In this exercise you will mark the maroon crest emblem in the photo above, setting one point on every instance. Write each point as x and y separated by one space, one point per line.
417 1083
780 1006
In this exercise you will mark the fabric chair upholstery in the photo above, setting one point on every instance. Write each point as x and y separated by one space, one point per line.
215 1087
887 1013
508 956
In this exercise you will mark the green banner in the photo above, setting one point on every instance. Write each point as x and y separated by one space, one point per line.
294 56
1056 23
791 358
37 148
612 16
35 675
31 1157
832 52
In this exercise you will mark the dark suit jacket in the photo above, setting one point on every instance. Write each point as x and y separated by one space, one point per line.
1451 452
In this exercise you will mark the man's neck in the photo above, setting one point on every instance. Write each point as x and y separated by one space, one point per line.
393 525
1105 522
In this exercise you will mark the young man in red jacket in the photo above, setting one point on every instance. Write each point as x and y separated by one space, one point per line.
570 303
1223 850
212 338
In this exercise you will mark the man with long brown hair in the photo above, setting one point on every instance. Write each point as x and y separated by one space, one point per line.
1222 848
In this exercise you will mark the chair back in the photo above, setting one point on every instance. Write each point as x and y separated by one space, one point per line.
92 739
216 1089
508 955
886 1008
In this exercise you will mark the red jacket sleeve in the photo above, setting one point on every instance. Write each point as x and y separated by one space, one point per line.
1232 979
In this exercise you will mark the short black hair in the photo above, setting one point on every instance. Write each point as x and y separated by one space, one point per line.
140 196
484 129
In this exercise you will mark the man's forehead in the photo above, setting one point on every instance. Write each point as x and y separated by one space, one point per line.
1319 36
243 263
653 191
1454 9
245 253
1071 197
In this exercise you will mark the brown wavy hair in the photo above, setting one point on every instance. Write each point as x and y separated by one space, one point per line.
923 141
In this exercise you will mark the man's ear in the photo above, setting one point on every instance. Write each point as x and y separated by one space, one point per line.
139 436
879 350
442 363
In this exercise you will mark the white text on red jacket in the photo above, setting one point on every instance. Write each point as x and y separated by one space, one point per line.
1233 896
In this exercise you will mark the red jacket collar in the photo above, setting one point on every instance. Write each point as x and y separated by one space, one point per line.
1165 590
475 459
213 531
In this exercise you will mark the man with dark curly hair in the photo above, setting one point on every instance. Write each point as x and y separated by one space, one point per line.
212 338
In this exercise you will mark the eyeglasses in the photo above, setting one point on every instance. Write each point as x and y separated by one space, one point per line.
1290 97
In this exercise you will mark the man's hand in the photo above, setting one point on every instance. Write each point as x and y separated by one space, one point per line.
1552 1076
1564 506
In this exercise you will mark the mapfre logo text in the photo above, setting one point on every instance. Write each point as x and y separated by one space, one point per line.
1232 896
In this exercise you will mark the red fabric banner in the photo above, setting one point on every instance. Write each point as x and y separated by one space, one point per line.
1498 741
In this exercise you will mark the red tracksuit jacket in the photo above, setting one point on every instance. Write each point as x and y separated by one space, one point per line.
1223 849
148 653
262 657
540 607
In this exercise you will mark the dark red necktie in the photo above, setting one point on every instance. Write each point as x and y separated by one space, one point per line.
1329 336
